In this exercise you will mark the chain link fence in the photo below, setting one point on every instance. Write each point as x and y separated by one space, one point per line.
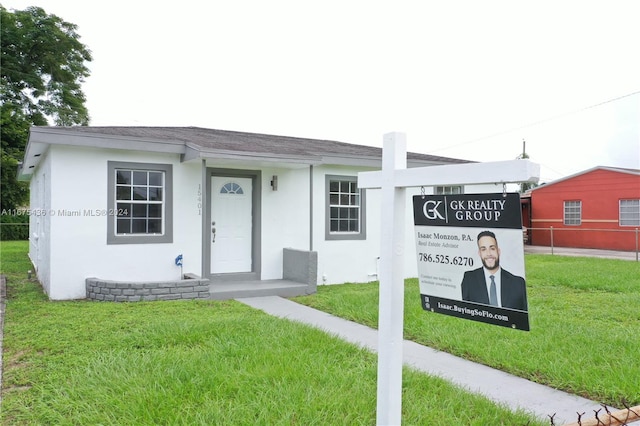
604 417
622 240
14 227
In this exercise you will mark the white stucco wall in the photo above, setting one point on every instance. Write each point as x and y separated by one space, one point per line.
285 217
40 223
70 241
79 249
358 260
341 261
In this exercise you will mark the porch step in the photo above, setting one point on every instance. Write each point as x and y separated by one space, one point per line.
237 289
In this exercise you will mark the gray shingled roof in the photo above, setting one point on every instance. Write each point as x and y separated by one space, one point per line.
213 139
196 142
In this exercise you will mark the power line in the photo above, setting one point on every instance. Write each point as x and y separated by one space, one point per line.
536 123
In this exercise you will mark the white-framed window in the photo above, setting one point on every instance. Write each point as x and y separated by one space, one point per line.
572 212
629 212
345 211
139 203
448 190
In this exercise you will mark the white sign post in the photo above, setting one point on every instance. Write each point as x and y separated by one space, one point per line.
393 179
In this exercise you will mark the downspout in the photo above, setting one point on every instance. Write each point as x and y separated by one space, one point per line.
311 207
530 231
205 223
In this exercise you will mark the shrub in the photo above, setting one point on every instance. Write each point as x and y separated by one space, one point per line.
14 227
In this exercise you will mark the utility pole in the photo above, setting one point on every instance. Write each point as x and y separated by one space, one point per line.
525 186
524 151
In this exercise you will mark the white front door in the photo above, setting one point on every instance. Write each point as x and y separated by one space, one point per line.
231 224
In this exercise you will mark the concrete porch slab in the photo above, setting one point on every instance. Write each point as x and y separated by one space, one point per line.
239 289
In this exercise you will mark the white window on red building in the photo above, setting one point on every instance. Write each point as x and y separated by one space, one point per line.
572 212
630 212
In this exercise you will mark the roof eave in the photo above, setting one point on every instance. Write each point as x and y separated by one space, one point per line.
374 161
592 169
33 154
53 136
40 138
194 151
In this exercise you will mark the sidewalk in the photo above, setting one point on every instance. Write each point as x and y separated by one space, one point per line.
514 392
567 251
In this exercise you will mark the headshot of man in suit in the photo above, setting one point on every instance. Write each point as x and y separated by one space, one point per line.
491 284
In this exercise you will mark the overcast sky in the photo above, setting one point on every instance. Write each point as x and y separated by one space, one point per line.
463 79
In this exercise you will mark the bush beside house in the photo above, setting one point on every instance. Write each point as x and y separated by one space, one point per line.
14 227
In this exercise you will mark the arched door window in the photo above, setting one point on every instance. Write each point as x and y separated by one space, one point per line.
231 188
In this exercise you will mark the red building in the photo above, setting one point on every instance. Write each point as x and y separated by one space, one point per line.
596 208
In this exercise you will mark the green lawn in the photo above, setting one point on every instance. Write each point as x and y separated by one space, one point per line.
585 326
197 363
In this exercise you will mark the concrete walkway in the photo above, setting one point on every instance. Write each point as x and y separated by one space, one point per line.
503 388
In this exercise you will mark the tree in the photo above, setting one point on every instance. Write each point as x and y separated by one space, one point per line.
14 131
41 71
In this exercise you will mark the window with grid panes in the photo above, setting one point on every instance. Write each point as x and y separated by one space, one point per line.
572 212
139 201
448 190
344 208
630 212
140 198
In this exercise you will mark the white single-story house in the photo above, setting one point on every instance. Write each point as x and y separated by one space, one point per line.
130 209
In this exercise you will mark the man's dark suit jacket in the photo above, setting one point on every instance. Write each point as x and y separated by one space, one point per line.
513 292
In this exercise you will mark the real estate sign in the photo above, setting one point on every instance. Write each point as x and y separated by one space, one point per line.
470 254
